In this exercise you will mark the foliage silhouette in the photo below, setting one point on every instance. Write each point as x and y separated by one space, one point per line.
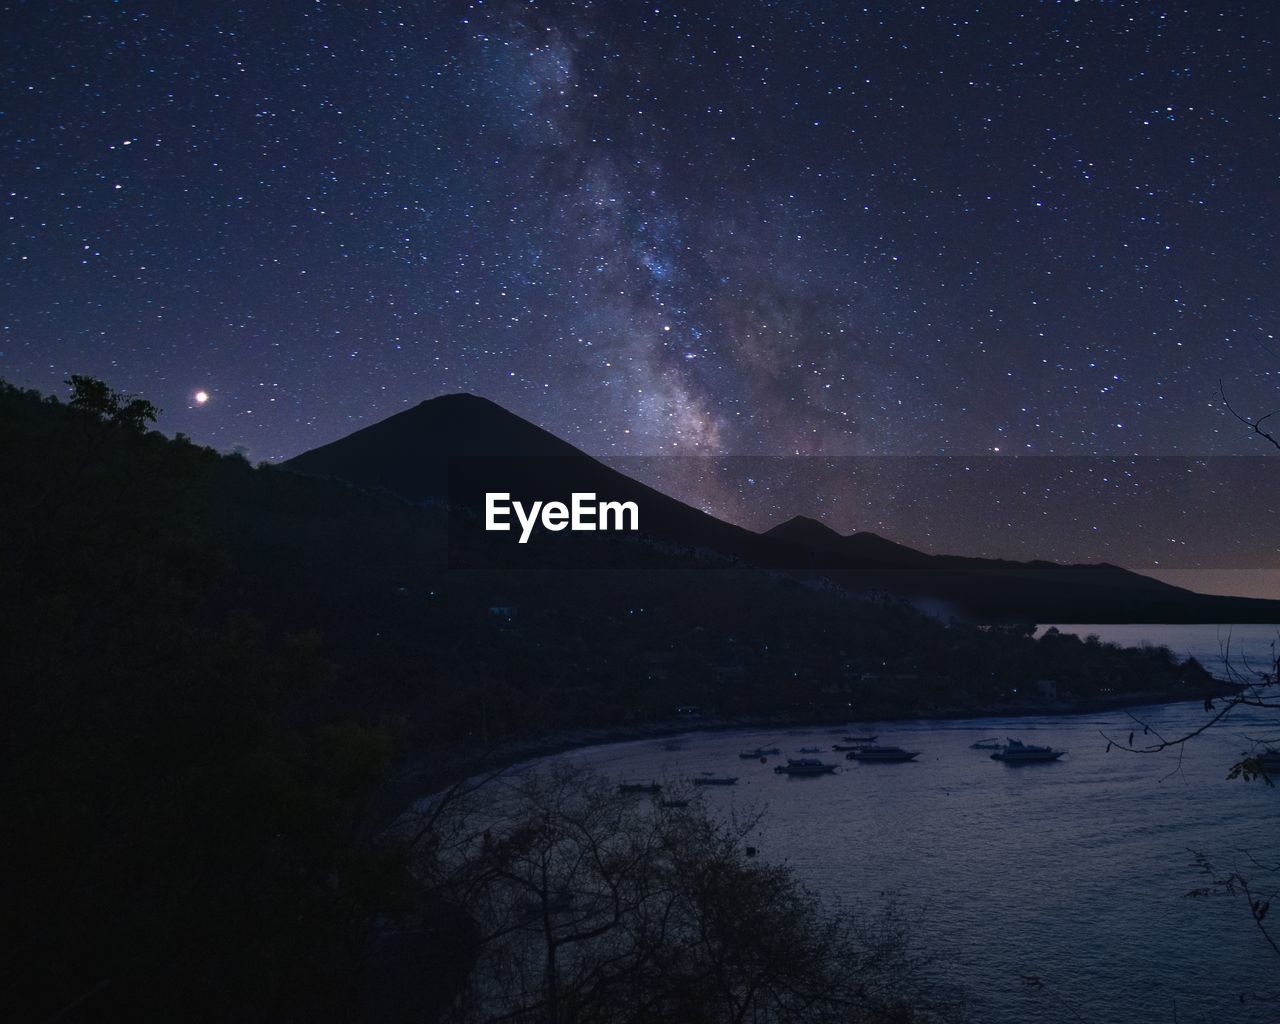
220 685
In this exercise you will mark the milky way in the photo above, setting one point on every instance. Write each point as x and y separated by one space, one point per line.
814 229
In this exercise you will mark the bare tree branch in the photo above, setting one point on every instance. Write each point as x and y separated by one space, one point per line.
1252 424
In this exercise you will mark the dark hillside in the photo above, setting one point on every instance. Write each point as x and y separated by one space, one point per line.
220 683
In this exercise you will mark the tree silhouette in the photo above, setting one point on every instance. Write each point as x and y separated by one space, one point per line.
96 397
592 907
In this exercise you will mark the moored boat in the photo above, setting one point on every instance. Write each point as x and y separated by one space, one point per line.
759 752
639 787
805 766
1017 752
886 754
715 780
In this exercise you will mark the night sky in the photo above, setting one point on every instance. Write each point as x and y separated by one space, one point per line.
731 229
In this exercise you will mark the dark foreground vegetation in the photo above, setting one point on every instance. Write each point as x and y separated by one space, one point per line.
222 685
589 905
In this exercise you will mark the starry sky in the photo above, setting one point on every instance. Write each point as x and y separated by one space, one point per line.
734 229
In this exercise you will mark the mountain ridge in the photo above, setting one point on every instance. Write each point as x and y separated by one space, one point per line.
456 447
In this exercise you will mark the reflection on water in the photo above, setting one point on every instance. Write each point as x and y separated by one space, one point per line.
1074 872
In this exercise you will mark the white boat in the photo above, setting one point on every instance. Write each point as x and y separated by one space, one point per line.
885 754
1017 752
805 766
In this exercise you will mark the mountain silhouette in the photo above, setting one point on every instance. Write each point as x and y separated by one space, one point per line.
810 532
407 453
865 546
455 448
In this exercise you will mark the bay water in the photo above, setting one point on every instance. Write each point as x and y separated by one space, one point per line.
1054 892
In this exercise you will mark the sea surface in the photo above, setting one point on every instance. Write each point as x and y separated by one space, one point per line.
1073 873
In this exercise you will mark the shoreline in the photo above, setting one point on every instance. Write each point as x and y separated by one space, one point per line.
511 755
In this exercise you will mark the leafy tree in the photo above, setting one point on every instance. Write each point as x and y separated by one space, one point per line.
95 397
191 839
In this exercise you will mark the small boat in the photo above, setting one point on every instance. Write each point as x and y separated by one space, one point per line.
847 746
715 780
859 740
1017 752
760 752
805 766
991 744
639 787
885 754
811 750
